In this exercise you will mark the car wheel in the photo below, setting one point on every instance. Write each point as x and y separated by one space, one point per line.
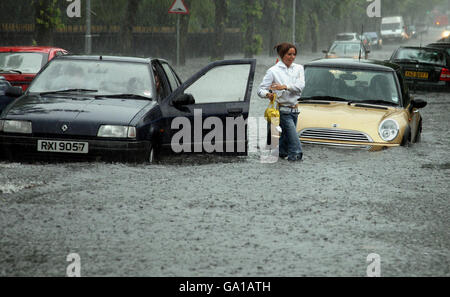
406 141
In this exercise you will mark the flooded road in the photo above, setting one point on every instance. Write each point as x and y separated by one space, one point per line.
237 216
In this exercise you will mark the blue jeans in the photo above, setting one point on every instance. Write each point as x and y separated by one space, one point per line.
289 145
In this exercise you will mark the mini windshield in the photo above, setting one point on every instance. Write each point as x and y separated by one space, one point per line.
421 55
346 49
360 86
22 62
103 77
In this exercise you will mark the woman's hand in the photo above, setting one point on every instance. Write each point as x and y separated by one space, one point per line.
270 96
278 87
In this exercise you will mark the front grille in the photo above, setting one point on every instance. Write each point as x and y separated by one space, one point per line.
334 134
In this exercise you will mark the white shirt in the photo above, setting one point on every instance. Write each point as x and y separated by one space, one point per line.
293 77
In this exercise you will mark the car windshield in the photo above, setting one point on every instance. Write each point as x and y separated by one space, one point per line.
103 77
421 55
371 34
390 26
345 49
22 62
359 86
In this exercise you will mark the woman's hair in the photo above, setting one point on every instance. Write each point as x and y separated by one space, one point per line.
283 48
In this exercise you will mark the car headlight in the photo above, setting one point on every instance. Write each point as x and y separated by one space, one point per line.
117 131
388 129
13 126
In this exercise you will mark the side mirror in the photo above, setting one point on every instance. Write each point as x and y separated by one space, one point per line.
14 92
418 103
184 99
325 51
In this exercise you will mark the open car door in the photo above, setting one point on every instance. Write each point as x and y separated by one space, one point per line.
208 113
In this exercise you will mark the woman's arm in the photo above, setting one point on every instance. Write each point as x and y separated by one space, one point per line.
264 87
299 82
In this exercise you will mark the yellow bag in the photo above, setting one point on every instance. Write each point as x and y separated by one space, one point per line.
272 114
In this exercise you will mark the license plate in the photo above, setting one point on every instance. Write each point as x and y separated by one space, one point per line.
416 74
62 146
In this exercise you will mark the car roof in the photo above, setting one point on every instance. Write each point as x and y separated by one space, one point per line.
439 44
422 47
106 58
40 49
355 64
348 41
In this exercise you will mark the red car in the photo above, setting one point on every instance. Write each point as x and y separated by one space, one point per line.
19 64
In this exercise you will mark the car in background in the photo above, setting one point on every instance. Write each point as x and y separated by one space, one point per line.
393 28
441 45
412 31
20 64
424 67
347 49
357 104
375 40
353 36
105 107
349 36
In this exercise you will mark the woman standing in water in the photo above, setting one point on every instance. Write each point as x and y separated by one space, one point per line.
288 80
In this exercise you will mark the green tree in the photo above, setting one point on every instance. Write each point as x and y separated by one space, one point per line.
252 42
218 52
47 18
126 32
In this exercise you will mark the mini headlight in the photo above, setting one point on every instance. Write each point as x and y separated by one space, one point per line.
12 126
388 129
116 131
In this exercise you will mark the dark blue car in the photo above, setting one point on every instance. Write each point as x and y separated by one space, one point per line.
96 107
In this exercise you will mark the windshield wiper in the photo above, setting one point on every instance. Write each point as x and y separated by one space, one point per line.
378 101
327 98
69 91
127 96
11 70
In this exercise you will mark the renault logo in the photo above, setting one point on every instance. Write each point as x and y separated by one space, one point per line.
64 128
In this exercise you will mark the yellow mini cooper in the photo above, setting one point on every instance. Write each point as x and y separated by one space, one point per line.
357 103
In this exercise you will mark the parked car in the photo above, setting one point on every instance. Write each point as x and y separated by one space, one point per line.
354 37
98 107
346 49
19 64
424 67
441 45
375 40
357 104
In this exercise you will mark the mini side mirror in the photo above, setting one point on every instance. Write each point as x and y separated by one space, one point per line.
14 92
183 99
418 103
325 51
